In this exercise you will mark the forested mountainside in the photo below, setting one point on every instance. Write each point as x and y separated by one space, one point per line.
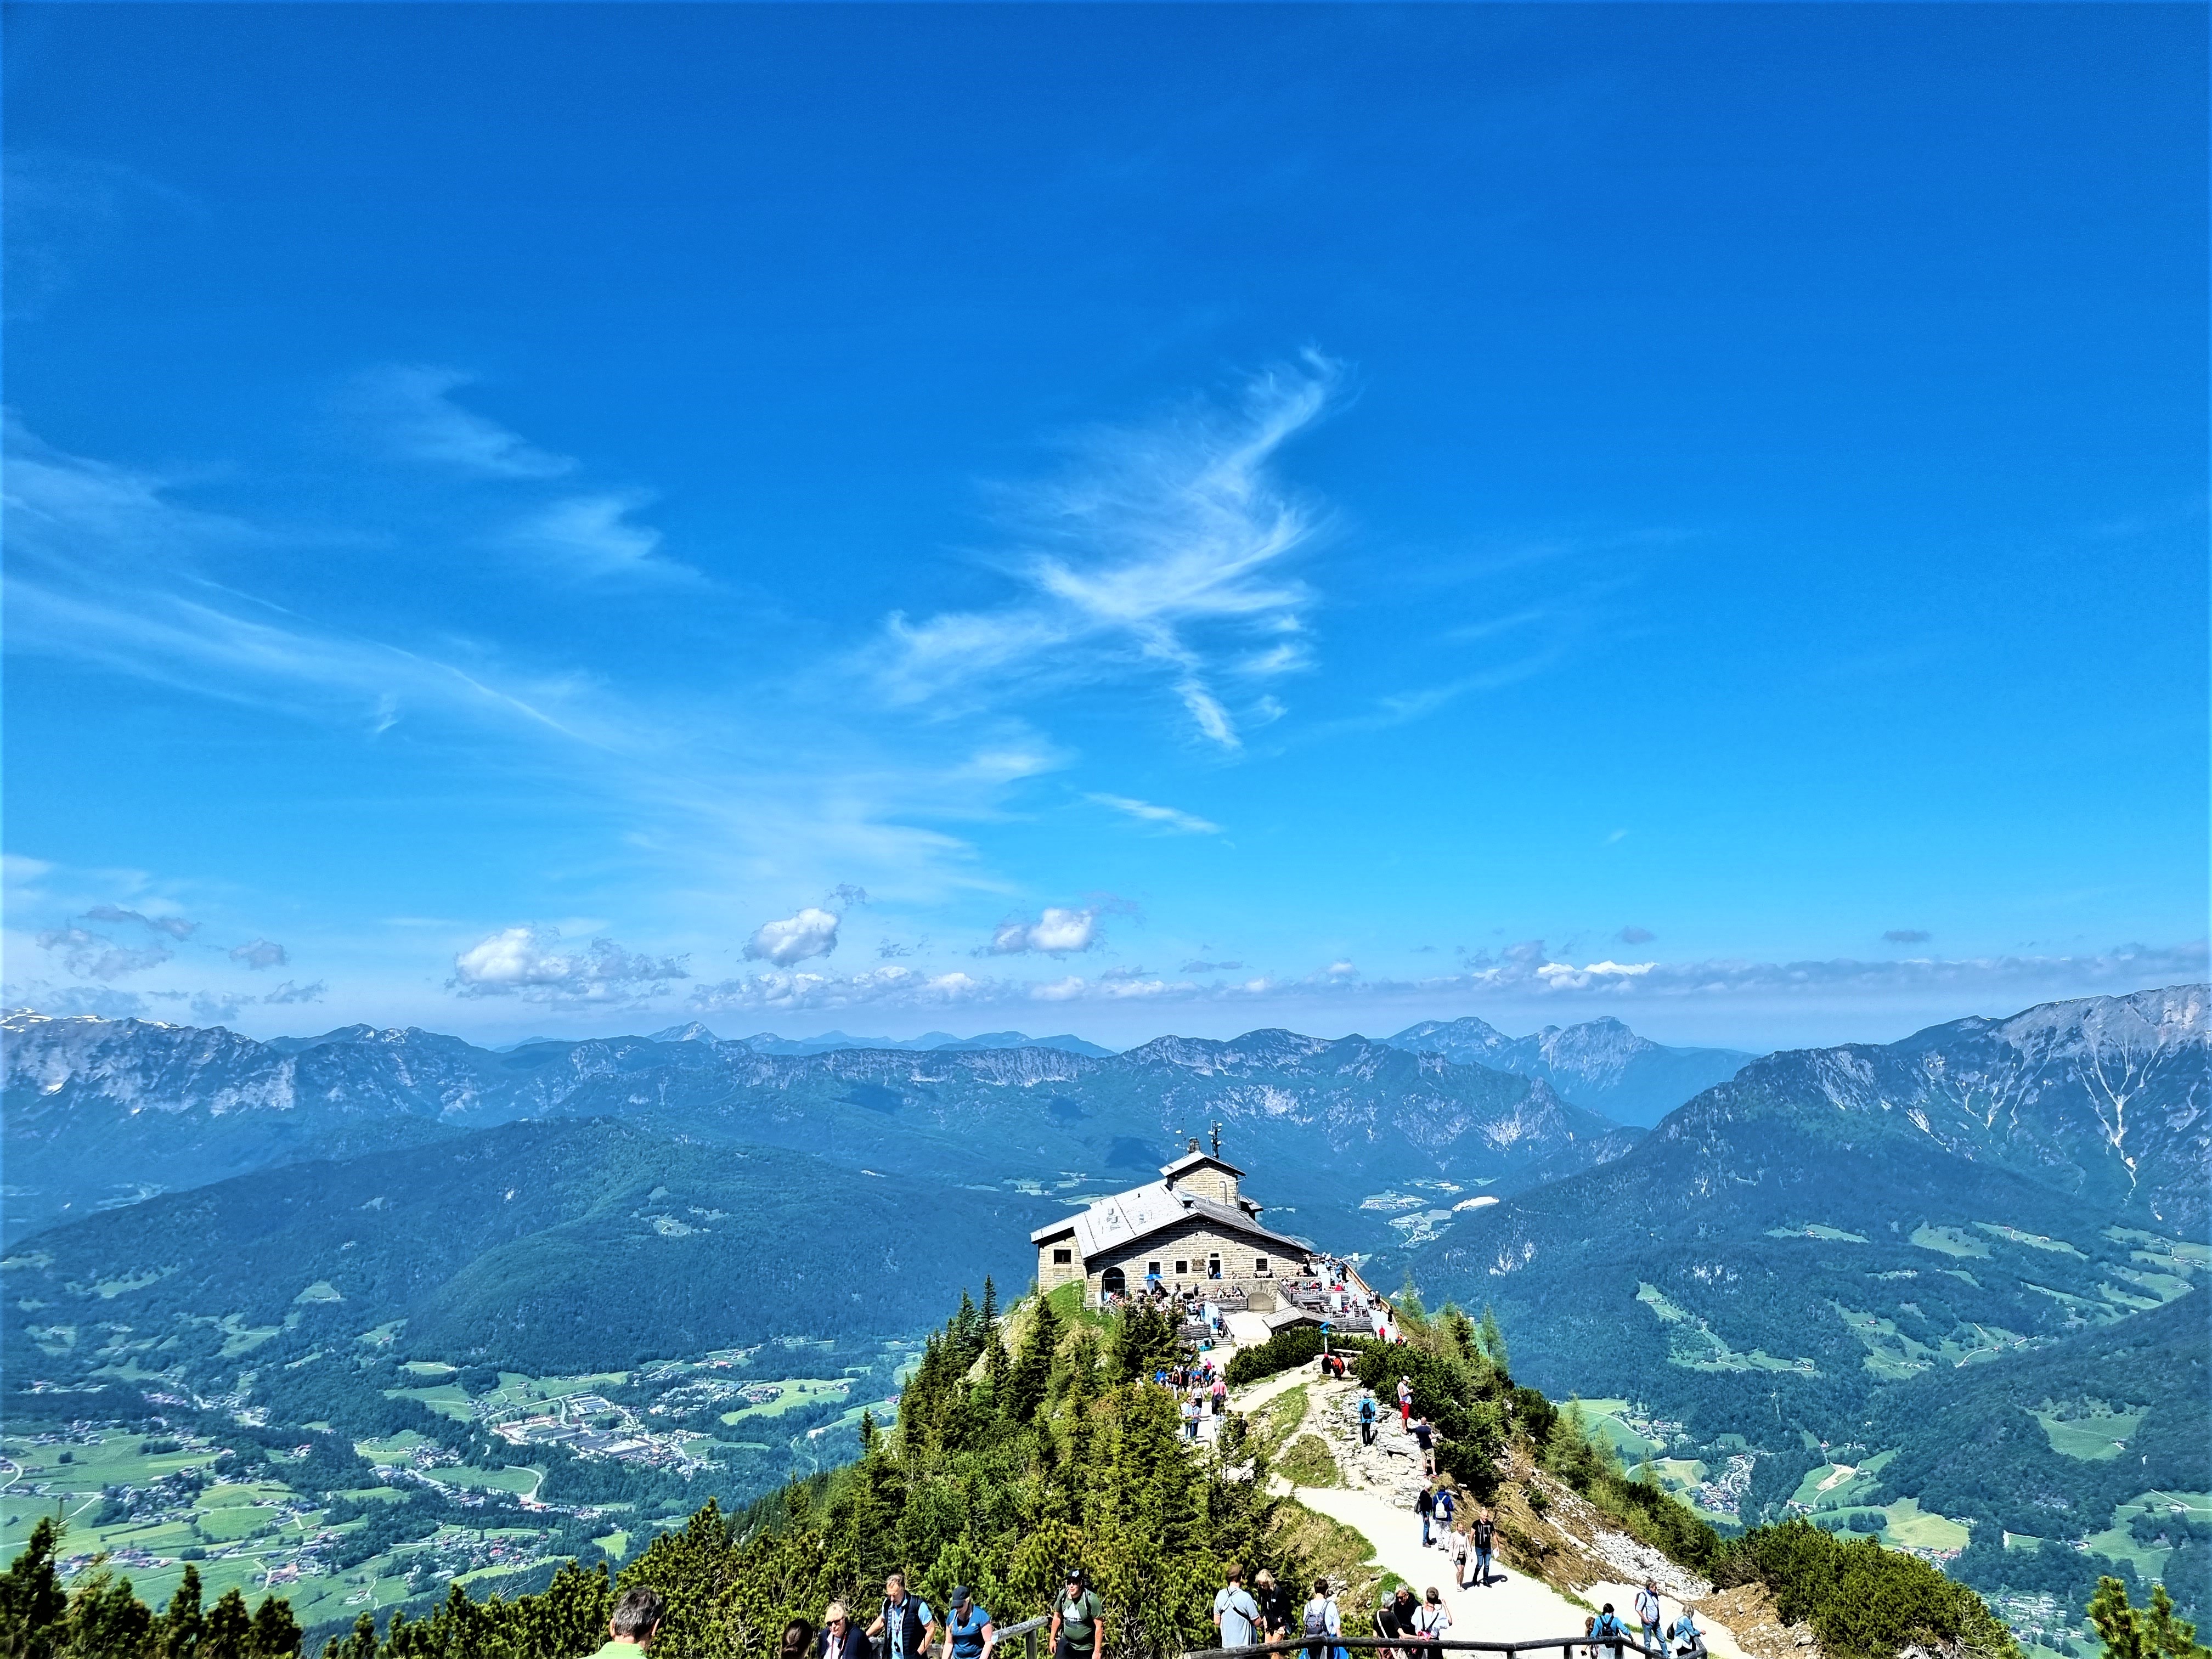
1813 1256
100 1112
539 1247
1599 1064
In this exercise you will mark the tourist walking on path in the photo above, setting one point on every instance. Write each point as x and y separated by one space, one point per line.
1433 1618
905 1623
1485 1539
1366 1417
1274 1606
1649 1613
1235 1615
1462 1545
1609 1630
1078 1619
841 1638
1394 1618
1321 1623
630 1632
1425 1436
1405 1401
969 1631
1689 1641
1447 1505
1425 1507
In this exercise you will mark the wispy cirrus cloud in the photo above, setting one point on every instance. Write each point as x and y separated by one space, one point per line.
1161 554
593 537
1164 818
411 409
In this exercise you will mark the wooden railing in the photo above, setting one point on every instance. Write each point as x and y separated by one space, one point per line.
1605 1647
1567 1647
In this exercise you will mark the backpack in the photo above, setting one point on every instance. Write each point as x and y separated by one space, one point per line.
1367 1410
1316 1619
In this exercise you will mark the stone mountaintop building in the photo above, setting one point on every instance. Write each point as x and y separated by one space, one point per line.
1190 1231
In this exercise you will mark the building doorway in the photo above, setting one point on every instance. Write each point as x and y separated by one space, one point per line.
1114 1282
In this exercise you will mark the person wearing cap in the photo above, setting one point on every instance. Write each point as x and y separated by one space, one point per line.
841 1638
969 1631
1078 1619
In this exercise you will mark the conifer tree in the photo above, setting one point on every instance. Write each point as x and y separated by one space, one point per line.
32 1603
1030 1380
176 1632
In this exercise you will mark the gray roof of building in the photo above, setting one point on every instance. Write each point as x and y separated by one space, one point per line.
1192 1160
1125 1217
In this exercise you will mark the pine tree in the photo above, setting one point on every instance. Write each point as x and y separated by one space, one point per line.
1031 1378
276 1631
32 1604
2133 1632
176 1632
229 1629
1493 1339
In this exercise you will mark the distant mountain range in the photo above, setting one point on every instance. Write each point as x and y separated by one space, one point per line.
767 1042
102 1113
1601 1063
1811 1254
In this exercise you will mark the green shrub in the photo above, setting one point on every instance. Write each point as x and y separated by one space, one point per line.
1282 1351
1863 1602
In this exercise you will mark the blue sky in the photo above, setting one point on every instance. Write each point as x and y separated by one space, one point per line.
560 519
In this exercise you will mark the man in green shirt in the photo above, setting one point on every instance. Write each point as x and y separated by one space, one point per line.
637 1616
1078 1620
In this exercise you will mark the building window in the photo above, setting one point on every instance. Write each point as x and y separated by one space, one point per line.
1214 1267
1151 1270
1061 1258
1260 1269
1182 1270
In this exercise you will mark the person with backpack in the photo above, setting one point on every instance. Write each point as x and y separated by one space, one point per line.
1649 1613
1366 1417
1433 1619
1446 1504
1235 1615
1425 1507
1689 1641
969 1631
1321 1624
1485 1539
905 1623
1078 1619
1608 1629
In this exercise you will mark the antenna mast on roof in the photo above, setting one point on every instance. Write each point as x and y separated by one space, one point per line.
1217 1137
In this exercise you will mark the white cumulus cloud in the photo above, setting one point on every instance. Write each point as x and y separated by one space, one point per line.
531 962
809 934
261 953
1057 932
